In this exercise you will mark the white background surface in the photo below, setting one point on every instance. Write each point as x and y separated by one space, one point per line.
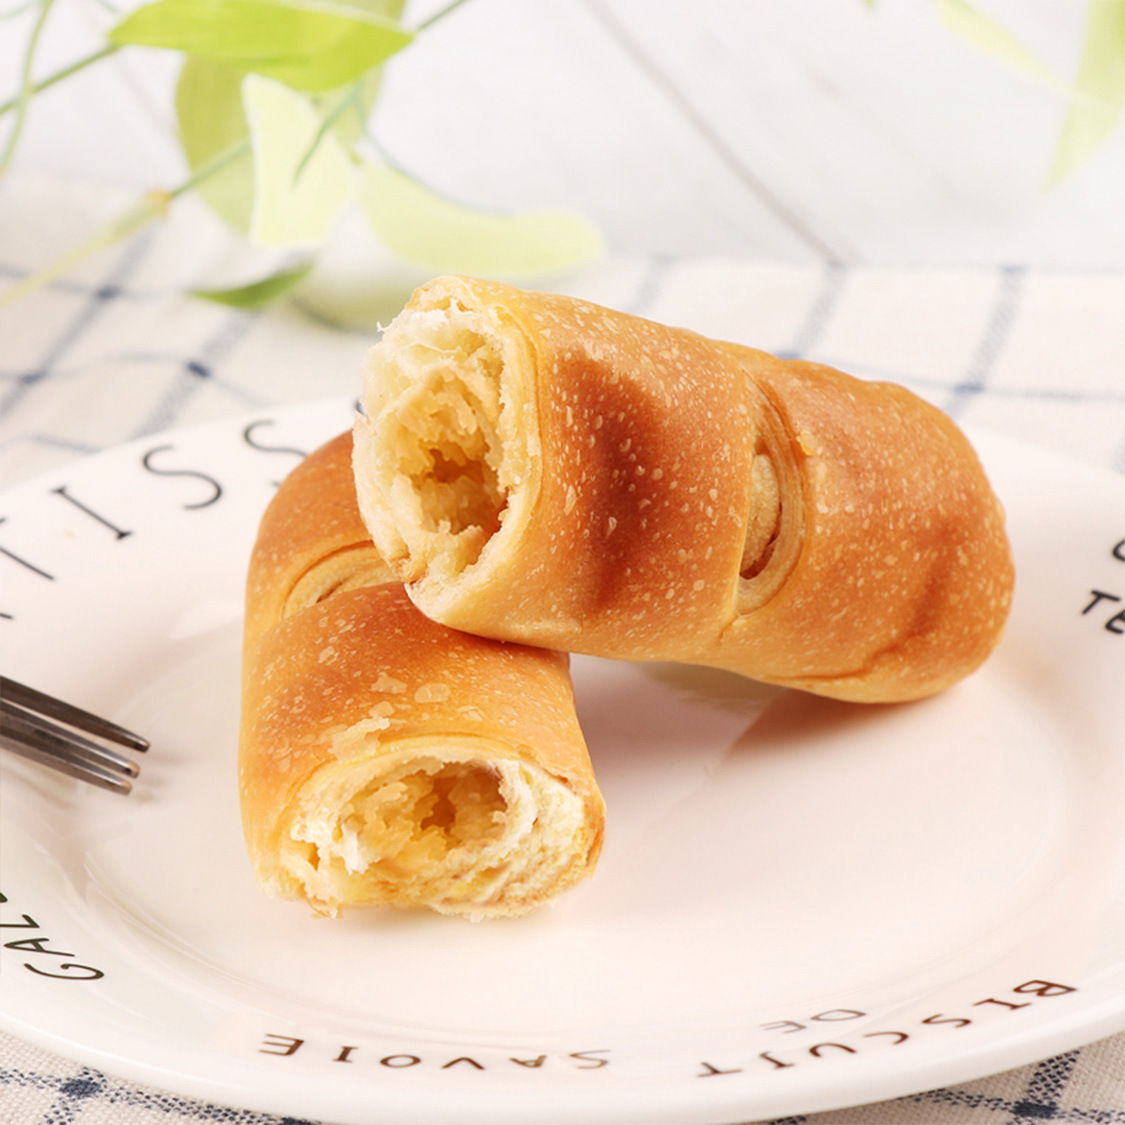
812 130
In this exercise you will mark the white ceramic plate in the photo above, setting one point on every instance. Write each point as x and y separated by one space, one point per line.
801 904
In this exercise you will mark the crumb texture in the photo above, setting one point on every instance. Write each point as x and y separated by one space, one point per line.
462 835
385 759
434 444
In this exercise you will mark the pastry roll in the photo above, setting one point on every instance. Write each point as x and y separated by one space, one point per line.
388 760
539 469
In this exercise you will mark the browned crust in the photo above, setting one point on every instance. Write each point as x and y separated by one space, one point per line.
311 528
904 578
890 577
362 658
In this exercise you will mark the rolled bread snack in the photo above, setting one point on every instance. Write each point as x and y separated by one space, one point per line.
540 469
388 760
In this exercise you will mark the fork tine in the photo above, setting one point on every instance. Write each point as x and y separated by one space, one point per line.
44 734
37 701
83 771
55 749
46 730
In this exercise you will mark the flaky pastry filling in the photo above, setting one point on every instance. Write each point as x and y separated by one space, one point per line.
455 831
437 427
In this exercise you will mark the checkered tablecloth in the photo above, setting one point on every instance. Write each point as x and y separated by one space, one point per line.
114 350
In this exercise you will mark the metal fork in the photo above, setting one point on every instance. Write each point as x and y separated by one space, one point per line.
46 730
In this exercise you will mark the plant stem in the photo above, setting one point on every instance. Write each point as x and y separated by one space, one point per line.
211 167
153 205
58 76
350 100
440 15
24 95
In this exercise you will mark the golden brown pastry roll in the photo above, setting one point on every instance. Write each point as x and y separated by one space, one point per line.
388 760
540 469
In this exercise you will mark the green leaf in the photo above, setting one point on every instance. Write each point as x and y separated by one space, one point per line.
258 293
1101 82
985 34
434 232
349 121
209 110
385 9
306 44
292 210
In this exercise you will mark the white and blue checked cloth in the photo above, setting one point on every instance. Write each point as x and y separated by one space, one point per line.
114 351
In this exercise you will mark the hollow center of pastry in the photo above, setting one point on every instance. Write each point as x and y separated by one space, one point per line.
450 834
417 820
439 434
452 466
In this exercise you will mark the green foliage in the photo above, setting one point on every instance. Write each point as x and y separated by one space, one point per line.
1095 100
26 87
273 99
258 293
985 34
1101 87
272 103
211 120
430 230
301 183
302 43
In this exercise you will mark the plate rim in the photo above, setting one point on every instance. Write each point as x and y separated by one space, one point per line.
1005 1052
